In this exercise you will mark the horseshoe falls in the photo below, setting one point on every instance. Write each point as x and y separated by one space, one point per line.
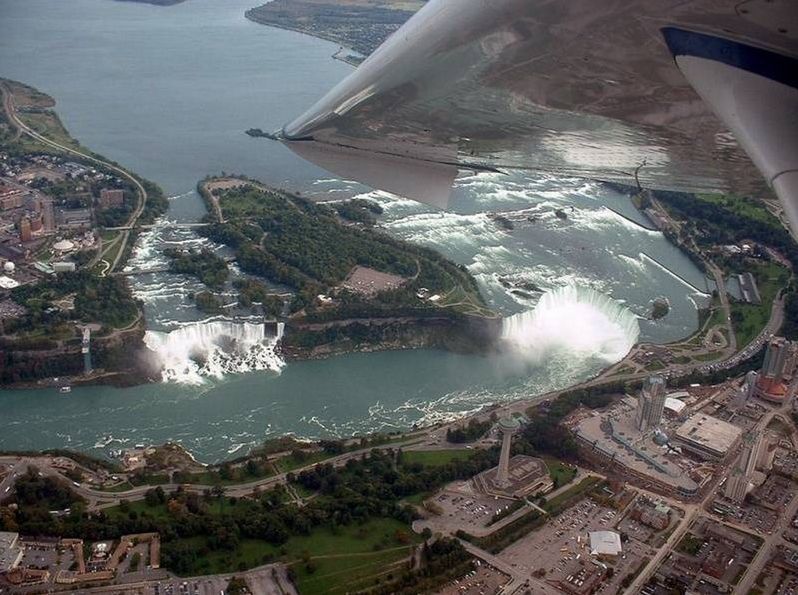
573 320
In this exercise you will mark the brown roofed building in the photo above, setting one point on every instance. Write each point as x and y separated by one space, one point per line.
111 197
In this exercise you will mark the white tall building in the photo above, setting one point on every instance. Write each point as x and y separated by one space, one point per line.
650 404
742 473
507 426
746 391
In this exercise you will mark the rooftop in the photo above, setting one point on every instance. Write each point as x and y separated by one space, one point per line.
674 405
8 282
605 543
709 432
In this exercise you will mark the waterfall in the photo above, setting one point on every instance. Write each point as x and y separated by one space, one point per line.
214 348
573 321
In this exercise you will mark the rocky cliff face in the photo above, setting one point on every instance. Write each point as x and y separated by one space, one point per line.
115 359
460 334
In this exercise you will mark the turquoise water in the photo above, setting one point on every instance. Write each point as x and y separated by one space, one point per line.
168 92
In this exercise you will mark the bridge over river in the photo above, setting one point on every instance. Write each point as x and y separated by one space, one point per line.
161 269
151 225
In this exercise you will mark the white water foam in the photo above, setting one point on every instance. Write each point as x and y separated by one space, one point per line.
193 352
575 321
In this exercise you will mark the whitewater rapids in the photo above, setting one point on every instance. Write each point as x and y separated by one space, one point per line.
191 353
574 321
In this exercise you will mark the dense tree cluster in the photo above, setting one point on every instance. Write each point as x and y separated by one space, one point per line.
790 327
295 242
252 292
204 264
469 432
34 489
544 434
106 300
207 302
157 204
359 210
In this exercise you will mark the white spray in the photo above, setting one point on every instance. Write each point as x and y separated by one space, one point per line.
573 320
214 349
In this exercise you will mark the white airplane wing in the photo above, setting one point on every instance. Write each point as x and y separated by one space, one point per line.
684 95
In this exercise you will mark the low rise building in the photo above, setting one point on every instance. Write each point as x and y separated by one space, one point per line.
64 266
525 476
651 514
708 437
605 544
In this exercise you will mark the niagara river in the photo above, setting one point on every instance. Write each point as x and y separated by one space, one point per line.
168 93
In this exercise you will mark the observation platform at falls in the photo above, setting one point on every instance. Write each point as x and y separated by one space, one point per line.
147 271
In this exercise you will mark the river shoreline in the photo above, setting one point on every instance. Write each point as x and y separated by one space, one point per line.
331 38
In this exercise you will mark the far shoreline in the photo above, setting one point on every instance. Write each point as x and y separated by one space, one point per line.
322 36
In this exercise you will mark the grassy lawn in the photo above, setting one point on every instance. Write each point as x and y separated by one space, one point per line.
48 124
417 499
140 507
111 249
152 480
750 318
745 207
292 461
213 478
435 458
560 472
707 357
348 574
571 494
718 317
120 487
351 553
621 371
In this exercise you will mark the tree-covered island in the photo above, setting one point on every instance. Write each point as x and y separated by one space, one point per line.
352 286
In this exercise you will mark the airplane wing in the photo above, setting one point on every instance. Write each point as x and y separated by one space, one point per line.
685 95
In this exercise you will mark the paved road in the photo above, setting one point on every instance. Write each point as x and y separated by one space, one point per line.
101 499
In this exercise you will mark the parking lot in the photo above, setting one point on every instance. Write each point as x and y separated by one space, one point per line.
461 507
561 547
758 518
485 580
209 586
